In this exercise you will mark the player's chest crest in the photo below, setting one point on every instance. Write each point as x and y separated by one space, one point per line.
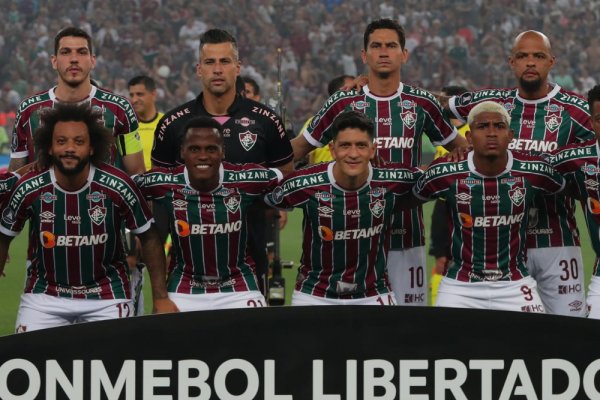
248 140
377 207
552 122
517 195
232 203
409 118
97 214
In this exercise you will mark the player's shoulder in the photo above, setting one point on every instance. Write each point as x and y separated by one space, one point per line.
35 101
571 100
530 163
180 114
108 170
316 174
445 166
416 94
576 151
247 172
500 95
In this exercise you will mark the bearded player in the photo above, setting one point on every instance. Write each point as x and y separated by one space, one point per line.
76 204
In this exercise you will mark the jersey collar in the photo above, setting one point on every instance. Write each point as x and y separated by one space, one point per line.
368 93
334 183
471 164
52 95
89 180
230 111
550 95
186 176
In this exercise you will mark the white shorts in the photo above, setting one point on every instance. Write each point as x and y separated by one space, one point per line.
559 275
217 301
407 275
518 295
303 299
593 299
41 311
136 280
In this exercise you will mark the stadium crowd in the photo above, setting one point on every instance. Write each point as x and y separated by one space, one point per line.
465 44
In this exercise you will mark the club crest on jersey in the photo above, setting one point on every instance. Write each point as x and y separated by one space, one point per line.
97 214
95 197
593 206
517 195
47 216
409 118
179 204
232 203
377 208
324 196
47 197
248 140
552 122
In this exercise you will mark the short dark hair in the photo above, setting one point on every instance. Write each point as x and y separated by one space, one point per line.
336 83
72 31
145 80
454 90
101 138
251 82
202 122
216 36
593 96
384 23
353 119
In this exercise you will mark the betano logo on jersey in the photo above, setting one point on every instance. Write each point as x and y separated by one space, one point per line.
532 145
328 235
394 142
467 221
49 240
593 205
184 229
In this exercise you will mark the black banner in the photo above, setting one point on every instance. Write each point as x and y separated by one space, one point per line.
326 353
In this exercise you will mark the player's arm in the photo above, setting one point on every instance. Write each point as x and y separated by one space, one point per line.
130 148
134 163
154 256
4 245
301 147
16 163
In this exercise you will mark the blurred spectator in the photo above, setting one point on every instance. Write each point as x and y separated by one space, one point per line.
466 43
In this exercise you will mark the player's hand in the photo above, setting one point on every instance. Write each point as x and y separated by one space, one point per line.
459 153
377 161
357 83
163 306
283 218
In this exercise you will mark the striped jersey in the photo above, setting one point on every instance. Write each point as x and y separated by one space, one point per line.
400 120
579 163
208 229
76 248
488 215
118 115
7 181
542 125
346 233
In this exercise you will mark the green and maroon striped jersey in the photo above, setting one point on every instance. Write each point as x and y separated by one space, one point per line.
118 115
208 229
488 215
76 248
7 181
346 233
579 164
542 125
400 121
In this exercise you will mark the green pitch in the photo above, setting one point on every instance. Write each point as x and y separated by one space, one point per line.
11 285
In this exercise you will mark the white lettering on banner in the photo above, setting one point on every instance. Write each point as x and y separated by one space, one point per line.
377 380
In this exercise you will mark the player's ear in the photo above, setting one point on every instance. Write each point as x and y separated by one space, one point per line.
468 136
